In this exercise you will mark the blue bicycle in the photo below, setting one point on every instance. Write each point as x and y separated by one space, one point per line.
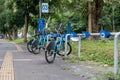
39 44
56 46
30 42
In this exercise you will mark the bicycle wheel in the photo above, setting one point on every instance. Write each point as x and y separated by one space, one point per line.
50 53
35 47
29 45
62 50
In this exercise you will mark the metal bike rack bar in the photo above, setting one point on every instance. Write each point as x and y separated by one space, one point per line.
66 40
116 53
79 44
48 36
79 41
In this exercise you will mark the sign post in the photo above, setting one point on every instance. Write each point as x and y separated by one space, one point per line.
40 9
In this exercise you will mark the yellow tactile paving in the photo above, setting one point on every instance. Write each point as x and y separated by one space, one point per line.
19 48
6 71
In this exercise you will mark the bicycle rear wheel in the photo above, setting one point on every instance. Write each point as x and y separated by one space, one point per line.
62 50
50 52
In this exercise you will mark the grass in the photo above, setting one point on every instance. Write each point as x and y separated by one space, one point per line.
18 41
99 51
111 76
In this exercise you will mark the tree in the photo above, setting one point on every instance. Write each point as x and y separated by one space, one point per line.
27 6
94 14
6 17
110 16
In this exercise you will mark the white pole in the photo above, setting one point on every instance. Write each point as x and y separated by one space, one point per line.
79 46
116 53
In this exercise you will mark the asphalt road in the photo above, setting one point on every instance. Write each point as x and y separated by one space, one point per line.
27 66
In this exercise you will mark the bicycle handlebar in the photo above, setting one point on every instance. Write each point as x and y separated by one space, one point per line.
36 35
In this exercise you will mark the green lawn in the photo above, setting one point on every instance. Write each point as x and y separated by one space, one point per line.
18 41
99 51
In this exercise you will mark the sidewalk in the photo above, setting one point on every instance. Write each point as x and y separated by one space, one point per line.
28 66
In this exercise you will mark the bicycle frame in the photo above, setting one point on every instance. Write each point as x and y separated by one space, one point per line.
42 40
58 43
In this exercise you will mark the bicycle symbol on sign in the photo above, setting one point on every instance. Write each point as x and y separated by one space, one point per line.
44 7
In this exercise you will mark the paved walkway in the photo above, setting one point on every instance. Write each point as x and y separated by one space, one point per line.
16 63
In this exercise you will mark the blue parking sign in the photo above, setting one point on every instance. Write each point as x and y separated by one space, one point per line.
45 8
41 24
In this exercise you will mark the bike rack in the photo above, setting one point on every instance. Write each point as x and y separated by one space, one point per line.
116 36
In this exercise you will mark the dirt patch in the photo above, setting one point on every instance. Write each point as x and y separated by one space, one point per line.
88 70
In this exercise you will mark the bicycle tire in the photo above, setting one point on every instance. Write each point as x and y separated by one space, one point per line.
68 52
29 46
50 52
35 48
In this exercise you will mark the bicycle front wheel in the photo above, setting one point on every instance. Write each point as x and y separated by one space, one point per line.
50 53
29 45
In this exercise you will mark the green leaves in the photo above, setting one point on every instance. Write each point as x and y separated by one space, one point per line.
110 13
74 11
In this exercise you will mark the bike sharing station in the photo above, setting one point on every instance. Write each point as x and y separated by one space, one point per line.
77 37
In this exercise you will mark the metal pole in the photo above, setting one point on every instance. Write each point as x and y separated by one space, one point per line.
66 45
79 46
40 13
47 38
116 53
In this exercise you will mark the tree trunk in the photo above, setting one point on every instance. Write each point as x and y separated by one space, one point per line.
9 36
113 22
25 29
14 34
90 17
6 35
94 14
